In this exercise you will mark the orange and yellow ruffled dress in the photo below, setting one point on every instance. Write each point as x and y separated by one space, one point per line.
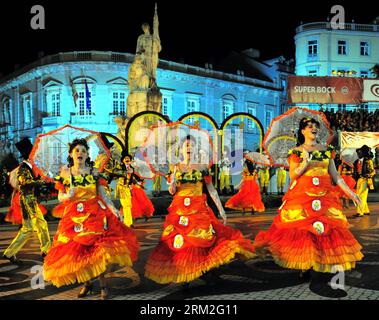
346 174
249 195
193 240
311 232
89 236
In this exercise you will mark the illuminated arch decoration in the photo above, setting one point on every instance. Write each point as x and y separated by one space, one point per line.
198 114
208 118
242 115
135 123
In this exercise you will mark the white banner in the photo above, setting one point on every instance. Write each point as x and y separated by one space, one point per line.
370 90
356 140
351 141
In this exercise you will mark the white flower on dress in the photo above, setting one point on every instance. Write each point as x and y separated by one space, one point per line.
78 227
316 205
315 181
178 241
319 227
80 207
187 201
183 221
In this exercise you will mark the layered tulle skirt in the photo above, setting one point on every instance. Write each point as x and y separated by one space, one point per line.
193 242
311 231
89 239
247 198
141 204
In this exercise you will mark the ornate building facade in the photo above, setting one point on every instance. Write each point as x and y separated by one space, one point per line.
40 97
349 52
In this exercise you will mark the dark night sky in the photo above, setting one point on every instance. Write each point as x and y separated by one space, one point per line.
193 31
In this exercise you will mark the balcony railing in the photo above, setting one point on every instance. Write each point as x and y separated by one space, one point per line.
347 26
79 119
52 121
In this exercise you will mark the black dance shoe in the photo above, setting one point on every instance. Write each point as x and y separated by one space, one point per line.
13 259
85 290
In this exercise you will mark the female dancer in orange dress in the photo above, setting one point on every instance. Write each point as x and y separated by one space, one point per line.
90 236
249 196
193 241
311 231
346 172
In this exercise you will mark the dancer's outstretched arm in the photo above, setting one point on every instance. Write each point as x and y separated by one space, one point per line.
214 195
342 184
172 182
104 196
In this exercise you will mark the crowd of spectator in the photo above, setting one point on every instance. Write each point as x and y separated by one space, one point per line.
359 120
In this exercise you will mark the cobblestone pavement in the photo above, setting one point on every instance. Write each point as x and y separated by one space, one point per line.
254 279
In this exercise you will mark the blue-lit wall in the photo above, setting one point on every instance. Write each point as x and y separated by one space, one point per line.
40 99
320 50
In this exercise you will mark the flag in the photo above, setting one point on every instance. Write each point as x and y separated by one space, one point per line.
88 97
75 94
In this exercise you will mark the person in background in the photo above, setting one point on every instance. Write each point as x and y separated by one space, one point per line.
157 185
264 179
281 176
346 173
27 183
249 196
130 191
224 173
363 174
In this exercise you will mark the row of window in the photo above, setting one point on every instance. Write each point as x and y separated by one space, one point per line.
228 108
342 48
119 108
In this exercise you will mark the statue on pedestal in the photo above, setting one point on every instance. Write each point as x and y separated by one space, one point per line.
138 76
149 46
144 93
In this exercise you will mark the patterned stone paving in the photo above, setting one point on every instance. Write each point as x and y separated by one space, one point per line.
254 279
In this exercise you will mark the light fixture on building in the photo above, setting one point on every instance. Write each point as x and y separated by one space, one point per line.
343 73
